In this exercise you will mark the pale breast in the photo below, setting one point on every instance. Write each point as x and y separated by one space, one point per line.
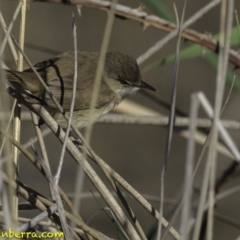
81 118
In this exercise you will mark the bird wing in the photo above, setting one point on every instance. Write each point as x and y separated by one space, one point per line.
58 73
59 77
62 89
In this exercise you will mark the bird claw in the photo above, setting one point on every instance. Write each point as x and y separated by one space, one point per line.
75 139
77 142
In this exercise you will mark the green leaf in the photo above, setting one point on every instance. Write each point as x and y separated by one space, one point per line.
193 51
234 36
196 50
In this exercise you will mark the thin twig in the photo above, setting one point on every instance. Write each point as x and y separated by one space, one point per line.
8 125
223 132
160 120
88 170
227 12
57 176
12 201
34 221
6 194
56 194
8 32
224 218
171 115
196 167
17 110
138 197
32 159
226 174
10 43
188 183
114 175
100 68
42 146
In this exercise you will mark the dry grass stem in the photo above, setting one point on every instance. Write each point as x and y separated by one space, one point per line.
57 176
227 11
58 199
17 111
6 193
39 167
89 171
196 168
42 146
160 120
171 116
8 32
10 43
188 184
226 137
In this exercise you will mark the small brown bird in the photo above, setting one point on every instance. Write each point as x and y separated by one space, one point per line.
121 77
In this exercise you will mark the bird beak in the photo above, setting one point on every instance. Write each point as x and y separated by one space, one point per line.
145 85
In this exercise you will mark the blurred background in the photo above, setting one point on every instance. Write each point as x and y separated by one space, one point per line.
136 152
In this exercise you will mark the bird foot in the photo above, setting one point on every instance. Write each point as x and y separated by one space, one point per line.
75 139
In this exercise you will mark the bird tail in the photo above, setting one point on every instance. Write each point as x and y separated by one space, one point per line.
23 81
